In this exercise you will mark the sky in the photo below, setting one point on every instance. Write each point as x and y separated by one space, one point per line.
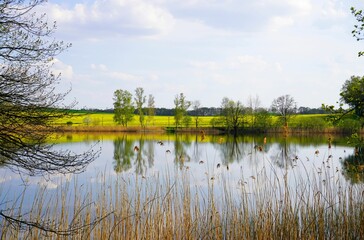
206 49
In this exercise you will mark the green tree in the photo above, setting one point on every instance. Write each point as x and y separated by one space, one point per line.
151 108
123 153
140 100
232 114
285 107
186 121
123 107
263 119
352 94
358 31
180 109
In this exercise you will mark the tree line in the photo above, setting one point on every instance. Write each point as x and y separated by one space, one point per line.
232 115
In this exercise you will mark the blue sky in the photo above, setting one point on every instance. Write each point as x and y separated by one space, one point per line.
206 49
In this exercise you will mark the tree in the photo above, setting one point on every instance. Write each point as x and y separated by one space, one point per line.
180 109
263 119
358 31
232 114
253 106
352 94
285 106
123 107
140 100
196 108
29 104
151 107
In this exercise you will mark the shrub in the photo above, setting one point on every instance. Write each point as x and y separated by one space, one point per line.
349 125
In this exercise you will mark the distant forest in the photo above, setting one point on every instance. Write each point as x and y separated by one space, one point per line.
203 111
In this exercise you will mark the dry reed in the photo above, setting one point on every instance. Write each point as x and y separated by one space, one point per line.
174 207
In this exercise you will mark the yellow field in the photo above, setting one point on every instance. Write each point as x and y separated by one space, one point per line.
106 119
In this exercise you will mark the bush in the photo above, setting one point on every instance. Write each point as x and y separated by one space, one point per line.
349 125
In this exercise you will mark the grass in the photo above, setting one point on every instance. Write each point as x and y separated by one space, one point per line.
173 207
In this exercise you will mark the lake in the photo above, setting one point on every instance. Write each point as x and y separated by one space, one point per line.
245 161
192 186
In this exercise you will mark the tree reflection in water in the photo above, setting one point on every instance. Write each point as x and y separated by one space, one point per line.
180 153
353 166
236 148
250 153
285 155
140 164
150 153
123 152
128 153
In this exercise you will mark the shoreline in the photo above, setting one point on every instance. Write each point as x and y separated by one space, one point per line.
200 130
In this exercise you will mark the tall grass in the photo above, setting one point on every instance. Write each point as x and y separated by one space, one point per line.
176 207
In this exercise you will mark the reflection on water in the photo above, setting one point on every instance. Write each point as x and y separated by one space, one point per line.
353 166
243 159
138 153
123 152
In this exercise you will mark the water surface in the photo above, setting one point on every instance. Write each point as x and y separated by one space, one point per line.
244 162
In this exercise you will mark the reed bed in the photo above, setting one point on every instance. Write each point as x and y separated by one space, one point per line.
176 207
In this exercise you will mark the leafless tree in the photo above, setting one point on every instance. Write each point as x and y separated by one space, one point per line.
252 108
140 100
285 106
29 104
151 107
196 108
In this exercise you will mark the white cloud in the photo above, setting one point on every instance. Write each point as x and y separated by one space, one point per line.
226 47
153 77
251 62
248 61
105 19
254 64
59 67
221 79
278 22
334 9
211 65
99 67
115 74
124 76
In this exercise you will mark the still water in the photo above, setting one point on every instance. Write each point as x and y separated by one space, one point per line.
247 161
